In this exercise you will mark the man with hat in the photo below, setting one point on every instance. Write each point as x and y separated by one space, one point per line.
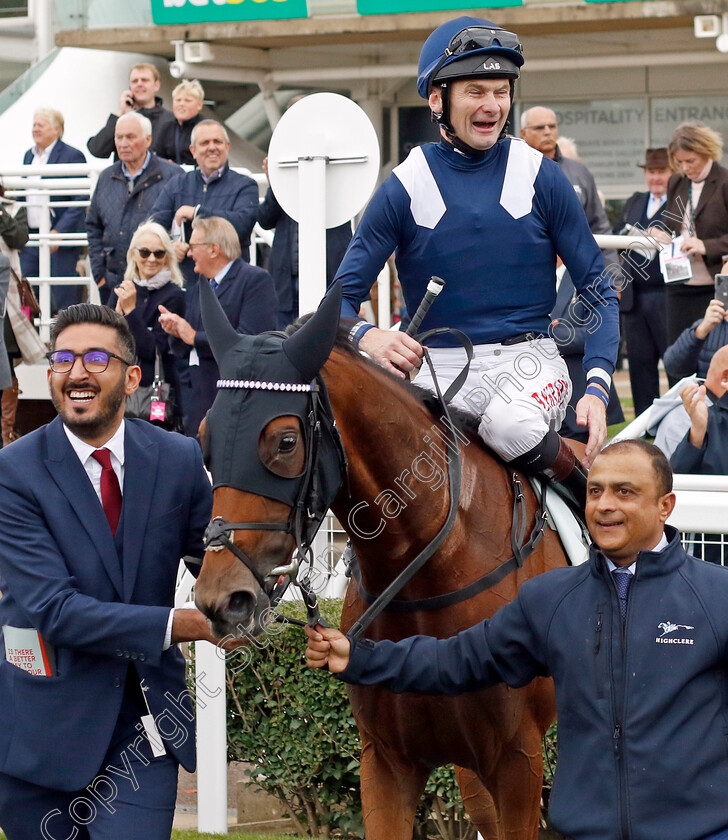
489 215
643 299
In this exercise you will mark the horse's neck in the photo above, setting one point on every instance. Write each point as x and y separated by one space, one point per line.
385 430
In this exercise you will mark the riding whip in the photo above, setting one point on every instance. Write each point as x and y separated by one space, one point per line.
434 287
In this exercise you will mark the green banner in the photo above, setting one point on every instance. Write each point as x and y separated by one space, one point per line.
214 11
388 7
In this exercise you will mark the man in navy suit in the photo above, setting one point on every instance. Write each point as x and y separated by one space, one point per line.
48 149
246 294
88 560
642 302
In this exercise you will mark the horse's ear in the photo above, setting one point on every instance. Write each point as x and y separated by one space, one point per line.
308 348
220 332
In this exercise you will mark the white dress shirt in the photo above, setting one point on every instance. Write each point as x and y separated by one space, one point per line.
33 202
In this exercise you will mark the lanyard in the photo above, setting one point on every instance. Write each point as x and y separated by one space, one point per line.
691 212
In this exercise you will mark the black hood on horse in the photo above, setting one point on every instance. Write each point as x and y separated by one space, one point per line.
263 377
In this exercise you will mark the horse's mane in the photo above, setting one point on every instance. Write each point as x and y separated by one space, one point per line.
462 420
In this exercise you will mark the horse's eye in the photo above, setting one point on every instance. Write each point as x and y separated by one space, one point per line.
288 443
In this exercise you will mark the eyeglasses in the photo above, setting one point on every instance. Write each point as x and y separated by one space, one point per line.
552 126
193 245
479 38
94 361
145 253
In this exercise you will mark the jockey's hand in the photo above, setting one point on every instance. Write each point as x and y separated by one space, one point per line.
592 413
390 348
327 646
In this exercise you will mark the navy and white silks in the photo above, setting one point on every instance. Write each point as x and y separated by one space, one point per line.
491 228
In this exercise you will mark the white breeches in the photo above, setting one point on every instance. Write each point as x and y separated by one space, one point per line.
519 391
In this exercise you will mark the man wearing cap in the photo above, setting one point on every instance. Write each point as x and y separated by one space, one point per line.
489 215
643 299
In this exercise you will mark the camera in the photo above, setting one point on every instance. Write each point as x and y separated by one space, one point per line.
177 69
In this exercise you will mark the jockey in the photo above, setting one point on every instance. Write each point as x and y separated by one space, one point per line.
489 215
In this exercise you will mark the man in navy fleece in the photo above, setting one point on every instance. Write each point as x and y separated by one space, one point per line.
489 215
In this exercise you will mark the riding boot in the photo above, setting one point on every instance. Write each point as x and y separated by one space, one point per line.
555 460
8 410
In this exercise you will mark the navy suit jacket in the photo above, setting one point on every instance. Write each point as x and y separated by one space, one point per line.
104 611
64 219
248 298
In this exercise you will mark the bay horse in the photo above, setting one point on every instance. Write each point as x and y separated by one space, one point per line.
393 500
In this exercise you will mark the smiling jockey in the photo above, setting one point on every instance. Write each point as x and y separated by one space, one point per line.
489 215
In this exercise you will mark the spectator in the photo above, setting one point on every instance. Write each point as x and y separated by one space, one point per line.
283 263
123 199
568 148
638 664
20 338
141 97
704 449
642 301
246 295
212 189
697 208
540 129
696 345
152 279
571 341
49 149
175 137
106 507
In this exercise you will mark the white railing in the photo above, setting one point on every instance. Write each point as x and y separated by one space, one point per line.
69 185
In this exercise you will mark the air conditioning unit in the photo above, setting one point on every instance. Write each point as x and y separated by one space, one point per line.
707 26
195 52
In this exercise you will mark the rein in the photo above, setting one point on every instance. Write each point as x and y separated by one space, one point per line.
488 580
382 601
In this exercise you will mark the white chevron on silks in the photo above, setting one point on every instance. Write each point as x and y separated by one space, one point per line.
426 201
522 168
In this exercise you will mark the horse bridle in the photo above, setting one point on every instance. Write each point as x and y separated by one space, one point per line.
304 519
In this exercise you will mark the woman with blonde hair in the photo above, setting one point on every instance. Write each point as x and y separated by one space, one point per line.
697 208
152 278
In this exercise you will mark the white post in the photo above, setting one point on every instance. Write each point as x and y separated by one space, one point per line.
211 739
44 264
311 232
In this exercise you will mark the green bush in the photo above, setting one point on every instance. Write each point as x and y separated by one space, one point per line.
295 727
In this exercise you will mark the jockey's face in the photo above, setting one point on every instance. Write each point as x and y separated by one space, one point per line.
625 511
479 109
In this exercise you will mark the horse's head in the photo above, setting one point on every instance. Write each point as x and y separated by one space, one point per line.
275 458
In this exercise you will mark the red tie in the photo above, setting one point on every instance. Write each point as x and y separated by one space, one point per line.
110 490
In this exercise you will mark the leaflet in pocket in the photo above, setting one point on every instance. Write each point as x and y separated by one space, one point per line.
26 649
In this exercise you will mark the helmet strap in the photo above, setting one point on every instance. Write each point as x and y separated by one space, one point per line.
443 120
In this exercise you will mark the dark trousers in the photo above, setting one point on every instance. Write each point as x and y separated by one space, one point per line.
645 327
140 803
685 304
